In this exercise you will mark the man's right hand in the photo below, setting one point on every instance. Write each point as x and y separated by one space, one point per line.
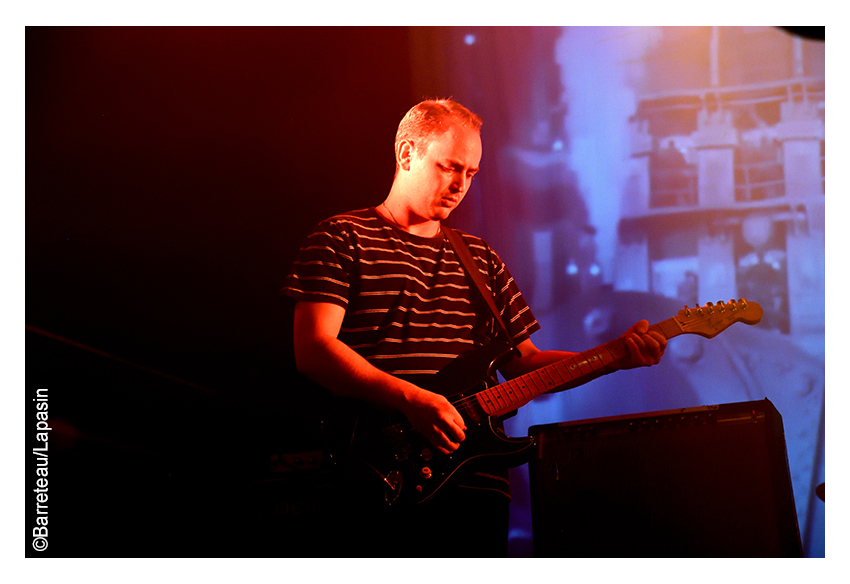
320 355
433 416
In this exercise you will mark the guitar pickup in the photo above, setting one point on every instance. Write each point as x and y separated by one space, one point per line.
398 442
296 461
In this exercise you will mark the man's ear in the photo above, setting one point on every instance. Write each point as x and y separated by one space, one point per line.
404 154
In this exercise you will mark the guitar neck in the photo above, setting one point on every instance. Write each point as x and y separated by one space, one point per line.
575 370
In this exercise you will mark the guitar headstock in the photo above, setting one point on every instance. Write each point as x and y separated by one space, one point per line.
712 319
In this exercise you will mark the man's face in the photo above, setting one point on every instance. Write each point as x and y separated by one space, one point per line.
442 174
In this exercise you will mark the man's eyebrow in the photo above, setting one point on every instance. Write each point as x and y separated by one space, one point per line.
458 164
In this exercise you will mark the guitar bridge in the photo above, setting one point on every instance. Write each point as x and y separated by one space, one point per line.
393 480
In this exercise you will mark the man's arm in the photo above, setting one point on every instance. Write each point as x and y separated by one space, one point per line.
321 356
645 350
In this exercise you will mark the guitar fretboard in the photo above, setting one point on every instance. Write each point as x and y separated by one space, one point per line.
506 397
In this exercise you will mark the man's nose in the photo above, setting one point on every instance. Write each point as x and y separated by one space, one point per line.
459 183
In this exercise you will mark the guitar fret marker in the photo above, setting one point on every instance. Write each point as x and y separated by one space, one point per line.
517 392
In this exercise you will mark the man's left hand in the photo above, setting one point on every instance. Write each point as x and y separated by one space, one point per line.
645 347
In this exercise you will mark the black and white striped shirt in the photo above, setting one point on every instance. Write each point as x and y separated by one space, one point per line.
409 307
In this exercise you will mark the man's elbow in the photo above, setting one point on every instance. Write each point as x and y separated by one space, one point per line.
308 357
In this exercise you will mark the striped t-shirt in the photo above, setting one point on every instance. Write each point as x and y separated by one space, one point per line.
409 306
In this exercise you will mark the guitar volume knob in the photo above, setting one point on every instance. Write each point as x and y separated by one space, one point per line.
425 472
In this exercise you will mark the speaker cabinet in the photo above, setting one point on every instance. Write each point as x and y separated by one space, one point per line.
699 482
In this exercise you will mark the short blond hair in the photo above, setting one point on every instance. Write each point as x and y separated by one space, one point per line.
431 118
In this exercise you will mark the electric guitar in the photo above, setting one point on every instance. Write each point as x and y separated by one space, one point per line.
385 450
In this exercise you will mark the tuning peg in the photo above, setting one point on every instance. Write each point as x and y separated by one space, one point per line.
687 310
721 306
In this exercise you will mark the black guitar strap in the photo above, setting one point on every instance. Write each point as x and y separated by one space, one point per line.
465 256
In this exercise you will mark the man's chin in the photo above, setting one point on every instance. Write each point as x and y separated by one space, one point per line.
442 213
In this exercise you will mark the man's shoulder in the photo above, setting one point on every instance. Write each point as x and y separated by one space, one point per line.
352 220
476 244
357 215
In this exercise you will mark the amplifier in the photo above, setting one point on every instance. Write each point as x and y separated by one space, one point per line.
711 481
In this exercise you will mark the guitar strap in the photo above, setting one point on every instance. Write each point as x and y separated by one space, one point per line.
465 256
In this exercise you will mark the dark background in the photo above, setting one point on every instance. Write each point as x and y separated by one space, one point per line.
171 174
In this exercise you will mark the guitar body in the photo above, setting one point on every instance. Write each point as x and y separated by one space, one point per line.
385 456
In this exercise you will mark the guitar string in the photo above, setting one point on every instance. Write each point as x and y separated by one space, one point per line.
535 392
467 400
609 347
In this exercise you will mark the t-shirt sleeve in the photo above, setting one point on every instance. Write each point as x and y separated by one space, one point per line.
322 267
515 312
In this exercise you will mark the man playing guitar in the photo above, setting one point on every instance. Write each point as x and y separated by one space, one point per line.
382 301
